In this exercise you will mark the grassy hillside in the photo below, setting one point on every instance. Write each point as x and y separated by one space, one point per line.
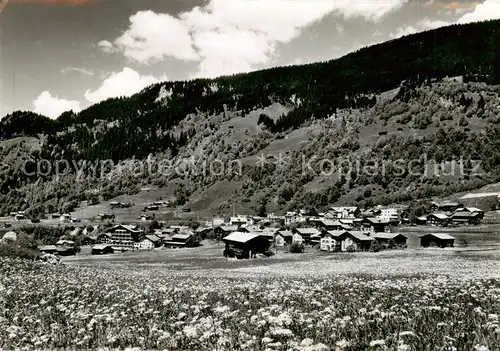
382 103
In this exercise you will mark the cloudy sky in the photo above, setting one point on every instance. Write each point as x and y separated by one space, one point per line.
58 55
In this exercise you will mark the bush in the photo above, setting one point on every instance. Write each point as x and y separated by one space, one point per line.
375 246
297 248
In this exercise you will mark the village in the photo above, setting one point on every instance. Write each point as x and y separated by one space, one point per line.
338 229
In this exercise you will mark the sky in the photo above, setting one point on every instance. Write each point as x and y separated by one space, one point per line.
59 55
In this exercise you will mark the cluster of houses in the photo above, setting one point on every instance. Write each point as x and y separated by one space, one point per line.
451 213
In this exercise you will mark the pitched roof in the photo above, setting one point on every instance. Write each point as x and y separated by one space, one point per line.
330 222
285 233
153 238
360 235
442 236
181 236
100 246
240 237
307 230
439 215
387 235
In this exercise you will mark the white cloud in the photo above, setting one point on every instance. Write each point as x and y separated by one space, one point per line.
152 37
485 11
488 10
53 106
106 46
82 70
233 36
124 83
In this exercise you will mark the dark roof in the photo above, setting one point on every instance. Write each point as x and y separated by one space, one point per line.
442 236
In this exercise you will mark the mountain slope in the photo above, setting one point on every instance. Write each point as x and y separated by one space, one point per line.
355 107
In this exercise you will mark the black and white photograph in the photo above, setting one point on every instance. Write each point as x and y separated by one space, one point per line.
254 175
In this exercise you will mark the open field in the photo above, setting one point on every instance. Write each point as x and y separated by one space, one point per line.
183 300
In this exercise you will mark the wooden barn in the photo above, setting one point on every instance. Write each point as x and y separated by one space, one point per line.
391 239
283 238
102 249
182 240
245 245
436 240
355 241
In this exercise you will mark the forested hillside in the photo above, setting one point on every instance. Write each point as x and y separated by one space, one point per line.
388 101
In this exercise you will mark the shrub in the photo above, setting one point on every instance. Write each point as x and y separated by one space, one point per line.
297 248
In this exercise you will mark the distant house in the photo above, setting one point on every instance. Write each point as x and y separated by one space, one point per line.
306 233
329 224
283 238
151 208
329 241
146 217
391 214
55 215
467 218
239 220
422 220
244 245
354 241
66 218
270 233
471 210
446 206
102 249
294 217
437 219
182 240
149 242
436 240
375 225
224 230
19 217
343 212
391 238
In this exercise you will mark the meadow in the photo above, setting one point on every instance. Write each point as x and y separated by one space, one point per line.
412 300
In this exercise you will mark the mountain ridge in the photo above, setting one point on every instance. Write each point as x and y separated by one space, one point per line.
363 99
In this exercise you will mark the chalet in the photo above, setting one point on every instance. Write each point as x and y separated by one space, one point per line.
422 220
182 240
89 240
437 219
240 220
370 213
354 241
283 238
391 214
55 215
66 218
293 218
375 225
151 208
446 206
391 239
19 217
65 243
471 210
245 245
436 240
102 249
156 241
315 239
344 212
270 233
467 218
124 236
203 232
306 233
329 224
75 220
217 222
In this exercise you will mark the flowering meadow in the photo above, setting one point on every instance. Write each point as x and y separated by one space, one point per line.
117 307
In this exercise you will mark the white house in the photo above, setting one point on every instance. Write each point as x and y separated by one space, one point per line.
297 239
343 212
294 217
390 214
327 243
144 244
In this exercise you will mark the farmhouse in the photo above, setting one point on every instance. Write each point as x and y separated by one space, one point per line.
329 240
306 233
345 212
436 240
391 239
245 245
283 237
354 241
239 220
439 219
149 242
446 206
182 240
471 210
103 238
375 225
329 224
466 218
102 249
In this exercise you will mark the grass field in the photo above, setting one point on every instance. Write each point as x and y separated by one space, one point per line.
193 299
